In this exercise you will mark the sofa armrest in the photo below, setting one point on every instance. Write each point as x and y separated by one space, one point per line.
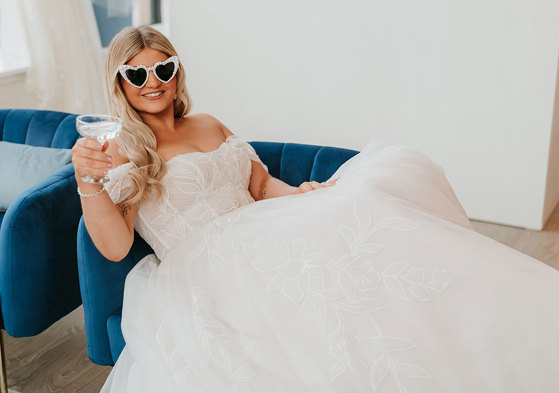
102 289
38 269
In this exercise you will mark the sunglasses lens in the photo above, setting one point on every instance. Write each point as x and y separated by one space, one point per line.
165 71
137 77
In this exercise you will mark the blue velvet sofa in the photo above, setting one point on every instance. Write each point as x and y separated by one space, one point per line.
102 281
38 259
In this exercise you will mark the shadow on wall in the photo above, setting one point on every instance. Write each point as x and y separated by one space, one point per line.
552 181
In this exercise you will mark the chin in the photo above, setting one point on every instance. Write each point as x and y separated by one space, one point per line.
154 108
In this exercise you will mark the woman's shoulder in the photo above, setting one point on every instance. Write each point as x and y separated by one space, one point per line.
207 120
206 117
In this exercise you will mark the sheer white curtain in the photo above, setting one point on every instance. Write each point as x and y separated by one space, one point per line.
66 71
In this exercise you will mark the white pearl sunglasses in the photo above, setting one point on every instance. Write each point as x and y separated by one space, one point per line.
137 76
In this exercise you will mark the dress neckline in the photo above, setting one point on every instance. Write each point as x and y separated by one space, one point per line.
201 152
180 154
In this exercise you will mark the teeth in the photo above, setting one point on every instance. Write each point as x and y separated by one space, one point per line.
153 94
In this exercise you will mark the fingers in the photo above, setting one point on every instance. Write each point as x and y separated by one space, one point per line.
313 185
89 158
330 182
305 187
88 143
327 184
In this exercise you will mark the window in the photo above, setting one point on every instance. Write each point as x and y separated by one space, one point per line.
13 54
113 17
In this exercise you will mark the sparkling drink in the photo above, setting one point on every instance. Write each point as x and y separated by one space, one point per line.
101 128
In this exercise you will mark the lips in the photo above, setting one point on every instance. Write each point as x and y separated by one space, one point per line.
154 94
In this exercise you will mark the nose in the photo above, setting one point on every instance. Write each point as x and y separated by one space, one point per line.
152 80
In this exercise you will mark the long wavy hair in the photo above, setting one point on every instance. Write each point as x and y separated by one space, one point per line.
137 141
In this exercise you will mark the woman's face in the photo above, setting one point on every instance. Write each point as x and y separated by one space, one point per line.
137 96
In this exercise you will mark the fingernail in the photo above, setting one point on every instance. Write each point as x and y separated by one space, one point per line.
109 159
110 165
99 147
106 172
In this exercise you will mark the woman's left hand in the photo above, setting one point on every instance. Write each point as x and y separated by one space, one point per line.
313 185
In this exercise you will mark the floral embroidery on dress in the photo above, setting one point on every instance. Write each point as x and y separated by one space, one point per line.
193 192
219 346
346 307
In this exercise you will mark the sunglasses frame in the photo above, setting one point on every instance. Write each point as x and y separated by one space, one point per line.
125 67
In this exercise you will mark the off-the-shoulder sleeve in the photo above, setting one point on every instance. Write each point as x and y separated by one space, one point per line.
249 150
119 187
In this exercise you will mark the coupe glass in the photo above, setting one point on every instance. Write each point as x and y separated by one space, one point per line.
101 128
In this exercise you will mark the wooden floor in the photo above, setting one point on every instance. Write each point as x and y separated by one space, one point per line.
542 245
56 360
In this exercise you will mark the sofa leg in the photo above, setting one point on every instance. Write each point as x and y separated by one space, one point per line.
3 376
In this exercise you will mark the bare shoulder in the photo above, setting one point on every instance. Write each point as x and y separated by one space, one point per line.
204 117
212 120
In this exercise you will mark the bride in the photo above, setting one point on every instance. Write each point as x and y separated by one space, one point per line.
371 281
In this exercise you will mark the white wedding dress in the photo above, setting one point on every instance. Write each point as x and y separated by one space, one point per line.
376 284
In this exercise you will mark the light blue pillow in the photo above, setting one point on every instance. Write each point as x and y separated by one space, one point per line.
22 166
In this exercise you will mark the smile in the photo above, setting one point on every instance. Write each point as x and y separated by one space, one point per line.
154 94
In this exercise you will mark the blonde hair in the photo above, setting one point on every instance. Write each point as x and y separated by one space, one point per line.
137 141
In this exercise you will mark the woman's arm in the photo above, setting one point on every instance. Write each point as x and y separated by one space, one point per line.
111 227
263 185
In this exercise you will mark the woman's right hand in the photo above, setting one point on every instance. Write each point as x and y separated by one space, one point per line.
90 158
110 227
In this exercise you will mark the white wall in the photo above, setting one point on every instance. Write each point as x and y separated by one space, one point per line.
470 83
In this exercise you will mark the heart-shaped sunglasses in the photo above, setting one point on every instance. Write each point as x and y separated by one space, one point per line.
137 76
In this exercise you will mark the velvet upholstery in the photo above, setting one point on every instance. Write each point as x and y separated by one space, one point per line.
102 281
38 259
102 289
116 339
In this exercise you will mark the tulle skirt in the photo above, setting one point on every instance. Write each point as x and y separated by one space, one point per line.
376 284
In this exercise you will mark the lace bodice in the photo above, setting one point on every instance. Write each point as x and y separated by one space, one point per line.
198 187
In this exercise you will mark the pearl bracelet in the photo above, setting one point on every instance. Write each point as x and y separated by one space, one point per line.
94 194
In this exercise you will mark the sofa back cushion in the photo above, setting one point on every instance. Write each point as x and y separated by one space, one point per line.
22 166
38 127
